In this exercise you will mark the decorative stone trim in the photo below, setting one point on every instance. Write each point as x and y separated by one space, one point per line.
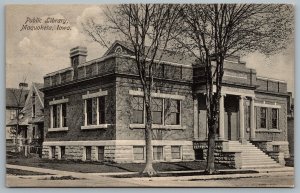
267 105
59 71
94 95
172 127
159 61
271 79
233 74
59 101
116 142
58 129
88 127
268 130
157 95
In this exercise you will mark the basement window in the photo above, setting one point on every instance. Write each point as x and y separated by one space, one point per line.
101 153
88 153
157 153
176 152
52 149
138 152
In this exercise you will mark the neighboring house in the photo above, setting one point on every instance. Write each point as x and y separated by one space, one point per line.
31 120
94 110
290 119
15 100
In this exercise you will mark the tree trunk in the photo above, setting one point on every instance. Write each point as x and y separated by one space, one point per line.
16 137
149 170
210 167
212 119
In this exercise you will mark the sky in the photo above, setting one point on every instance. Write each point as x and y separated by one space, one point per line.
32 54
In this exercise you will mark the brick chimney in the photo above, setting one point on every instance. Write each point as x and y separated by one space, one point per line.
23 85
77 56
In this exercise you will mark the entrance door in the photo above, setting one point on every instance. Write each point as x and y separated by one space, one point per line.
232 123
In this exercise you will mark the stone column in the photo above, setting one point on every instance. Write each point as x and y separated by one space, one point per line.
221 117
252 120
242 117
59 153
196 132
60 116
51 116
85 113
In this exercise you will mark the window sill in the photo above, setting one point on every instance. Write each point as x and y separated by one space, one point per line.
154 126
175 160
139 161
87 127
261 130
58 129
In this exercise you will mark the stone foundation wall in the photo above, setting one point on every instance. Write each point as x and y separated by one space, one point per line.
45 152
120 153
229 158
268 146
278 157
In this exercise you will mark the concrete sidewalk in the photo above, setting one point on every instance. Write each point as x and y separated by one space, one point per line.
262 172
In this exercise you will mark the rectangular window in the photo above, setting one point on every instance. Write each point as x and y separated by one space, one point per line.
59 115
33 110
100 153
88 153
89 111
64 114
53 152
172 112
62 152
263 117
274 118
176 152
157 152
101 107
138 109
13 114
138 153
95 110
54 116
157 110
33 104
276 148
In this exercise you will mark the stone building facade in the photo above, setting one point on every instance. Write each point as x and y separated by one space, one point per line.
94 110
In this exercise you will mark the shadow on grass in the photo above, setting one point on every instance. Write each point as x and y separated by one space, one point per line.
17 172
174 174
107 167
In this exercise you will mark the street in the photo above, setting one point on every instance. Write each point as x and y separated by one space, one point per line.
280 179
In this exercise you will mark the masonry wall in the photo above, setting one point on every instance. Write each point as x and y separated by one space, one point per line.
75 111
279 134
165 137
124 112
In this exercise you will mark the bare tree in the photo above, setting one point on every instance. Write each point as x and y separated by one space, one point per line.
215 31
147 28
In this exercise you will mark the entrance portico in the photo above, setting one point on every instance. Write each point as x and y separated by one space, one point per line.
232 115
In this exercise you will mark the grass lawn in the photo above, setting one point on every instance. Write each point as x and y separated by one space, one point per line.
106 167
18 172
188 173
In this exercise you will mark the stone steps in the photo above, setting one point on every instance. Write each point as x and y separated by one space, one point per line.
252 157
